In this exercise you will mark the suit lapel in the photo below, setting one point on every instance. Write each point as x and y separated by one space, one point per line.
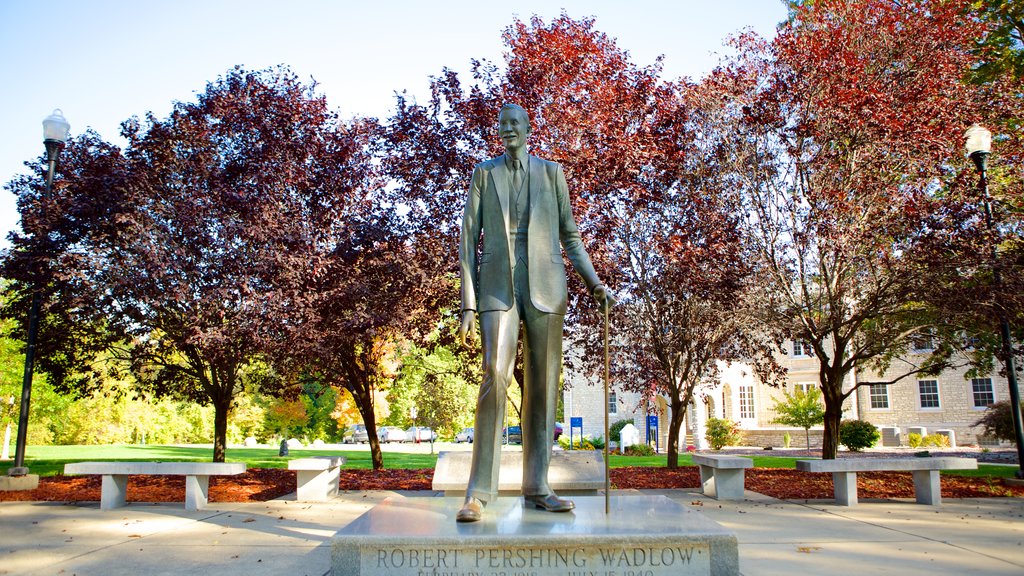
499 175
536 182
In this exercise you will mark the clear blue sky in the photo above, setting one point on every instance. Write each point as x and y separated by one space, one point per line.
102 62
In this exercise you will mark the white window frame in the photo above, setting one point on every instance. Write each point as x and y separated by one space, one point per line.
923 341
974 392
872 394
804 387
750 406
802 349
921 394
613 403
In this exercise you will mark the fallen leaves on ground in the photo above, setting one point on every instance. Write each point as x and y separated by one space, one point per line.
261 484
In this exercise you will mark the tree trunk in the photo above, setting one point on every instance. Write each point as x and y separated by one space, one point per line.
830 437
221 406
364 403
678 413
807 438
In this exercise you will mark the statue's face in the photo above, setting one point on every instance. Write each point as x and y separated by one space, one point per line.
513 127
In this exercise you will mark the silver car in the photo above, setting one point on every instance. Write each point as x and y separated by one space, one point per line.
466 435
358 434
389 434
420 434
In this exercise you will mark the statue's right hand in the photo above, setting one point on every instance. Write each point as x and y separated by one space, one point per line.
467 329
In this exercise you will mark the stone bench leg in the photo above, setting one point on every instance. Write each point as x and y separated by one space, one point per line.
197 492
845 488
707 480
927 488
316 485
729 484
722 483
113 491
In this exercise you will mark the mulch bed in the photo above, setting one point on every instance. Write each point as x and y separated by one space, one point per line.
261 484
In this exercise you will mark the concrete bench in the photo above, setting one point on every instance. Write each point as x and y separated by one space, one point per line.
571 472
926 474
114 489
317 477
722 476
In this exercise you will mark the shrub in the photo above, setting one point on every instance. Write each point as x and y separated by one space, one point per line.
578 443
616 429
997 421
938 440
722 432
639 450
857 435
914 440
787 439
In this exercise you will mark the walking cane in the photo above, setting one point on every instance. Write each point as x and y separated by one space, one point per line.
607 477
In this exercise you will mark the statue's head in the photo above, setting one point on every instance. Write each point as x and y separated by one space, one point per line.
513 126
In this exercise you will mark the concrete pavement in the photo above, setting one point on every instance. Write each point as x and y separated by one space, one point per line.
971 536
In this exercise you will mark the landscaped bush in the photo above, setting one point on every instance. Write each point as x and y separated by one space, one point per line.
616 428
997 421
578 443
639 450
914 440
857 435
937 440
722 432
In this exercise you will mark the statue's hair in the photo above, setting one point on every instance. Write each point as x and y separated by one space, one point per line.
518 108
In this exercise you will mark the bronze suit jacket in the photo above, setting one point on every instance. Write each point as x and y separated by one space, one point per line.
487 280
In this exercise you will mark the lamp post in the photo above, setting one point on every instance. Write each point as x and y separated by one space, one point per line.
979 146
55 134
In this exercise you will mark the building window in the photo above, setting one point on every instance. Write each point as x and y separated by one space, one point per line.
984 394
924 341
929 393
879 396
803 387
747 403
802 349
613 403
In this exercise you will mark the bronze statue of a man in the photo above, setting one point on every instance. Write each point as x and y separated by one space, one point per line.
520 204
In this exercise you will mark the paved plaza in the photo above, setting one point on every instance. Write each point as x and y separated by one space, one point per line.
971 536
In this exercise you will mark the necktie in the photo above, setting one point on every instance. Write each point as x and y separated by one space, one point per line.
517 177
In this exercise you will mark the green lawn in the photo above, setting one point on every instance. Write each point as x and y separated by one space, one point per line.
50 460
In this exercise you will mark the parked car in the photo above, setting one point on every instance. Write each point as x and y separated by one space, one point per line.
389 434
420 434
512 435
466 435
357 434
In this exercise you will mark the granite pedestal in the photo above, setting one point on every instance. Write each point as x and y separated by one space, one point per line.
642 535
571 472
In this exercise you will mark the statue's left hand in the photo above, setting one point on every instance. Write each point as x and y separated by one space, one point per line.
603 296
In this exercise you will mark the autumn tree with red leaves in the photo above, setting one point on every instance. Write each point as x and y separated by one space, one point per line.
377 289
848 120
686 268
194 243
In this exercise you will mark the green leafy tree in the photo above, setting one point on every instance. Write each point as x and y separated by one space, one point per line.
802 409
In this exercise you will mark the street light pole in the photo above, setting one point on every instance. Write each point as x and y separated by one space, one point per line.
55 134
979 146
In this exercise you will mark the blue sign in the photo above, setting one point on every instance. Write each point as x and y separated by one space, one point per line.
652 431
575 422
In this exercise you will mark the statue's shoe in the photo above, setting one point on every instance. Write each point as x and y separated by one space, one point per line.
471 511
550 502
